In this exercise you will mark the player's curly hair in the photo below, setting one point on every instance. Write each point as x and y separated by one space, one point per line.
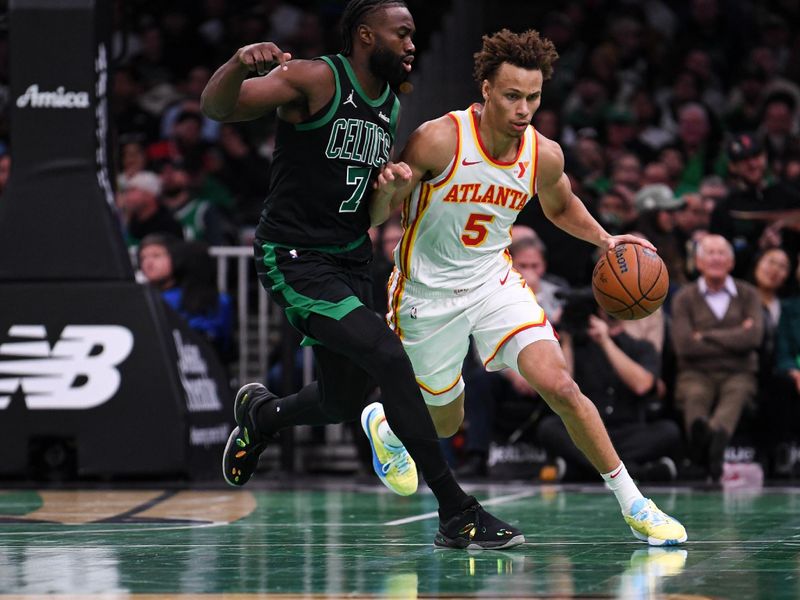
354 15
528 50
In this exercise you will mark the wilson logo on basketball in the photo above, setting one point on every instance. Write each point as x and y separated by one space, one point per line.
619 254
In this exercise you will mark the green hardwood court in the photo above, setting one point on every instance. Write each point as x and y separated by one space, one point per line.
334 541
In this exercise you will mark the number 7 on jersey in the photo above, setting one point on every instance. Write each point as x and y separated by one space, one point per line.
359 177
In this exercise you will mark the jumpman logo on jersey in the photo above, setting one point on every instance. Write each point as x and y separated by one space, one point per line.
350 99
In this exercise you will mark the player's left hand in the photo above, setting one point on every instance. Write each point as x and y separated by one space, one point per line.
391 177
616 240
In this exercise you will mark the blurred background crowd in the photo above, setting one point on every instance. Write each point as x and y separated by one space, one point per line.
679 121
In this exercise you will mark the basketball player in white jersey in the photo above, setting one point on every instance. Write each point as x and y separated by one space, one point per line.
462 180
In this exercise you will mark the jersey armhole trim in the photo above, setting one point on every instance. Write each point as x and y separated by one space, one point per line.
334 104
449 171
394 117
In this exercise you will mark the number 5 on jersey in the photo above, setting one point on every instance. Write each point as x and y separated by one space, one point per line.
475 231
359 177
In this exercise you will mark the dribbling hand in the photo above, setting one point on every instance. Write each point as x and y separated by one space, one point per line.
262 56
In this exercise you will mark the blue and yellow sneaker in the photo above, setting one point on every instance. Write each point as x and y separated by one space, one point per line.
649 524
392 464
245 443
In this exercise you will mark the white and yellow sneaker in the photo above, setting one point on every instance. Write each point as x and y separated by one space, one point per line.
391 462
649 524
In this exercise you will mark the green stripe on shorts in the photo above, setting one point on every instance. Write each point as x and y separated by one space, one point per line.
299 306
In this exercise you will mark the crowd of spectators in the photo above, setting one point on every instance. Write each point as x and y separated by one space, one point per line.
678 120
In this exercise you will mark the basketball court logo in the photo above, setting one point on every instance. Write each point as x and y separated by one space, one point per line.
79 372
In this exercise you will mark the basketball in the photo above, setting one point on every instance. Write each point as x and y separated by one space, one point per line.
630 282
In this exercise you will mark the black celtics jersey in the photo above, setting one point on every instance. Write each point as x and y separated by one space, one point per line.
323 168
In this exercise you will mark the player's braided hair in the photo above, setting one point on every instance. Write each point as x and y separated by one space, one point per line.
527 50
354 15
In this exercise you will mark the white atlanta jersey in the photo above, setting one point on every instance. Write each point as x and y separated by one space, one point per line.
457 225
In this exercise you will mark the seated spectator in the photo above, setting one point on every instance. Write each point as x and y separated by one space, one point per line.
691 224
737 218
129 116
243 171
190 85
697 144
142 212
185 142
616 210
200 218
132 157
528 256
155 260
778 129
620 375
769 276
185 275
657 206
717 328
655 172
781 410
196 297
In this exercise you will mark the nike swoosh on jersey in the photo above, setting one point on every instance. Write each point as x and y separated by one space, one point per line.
467 163
504 279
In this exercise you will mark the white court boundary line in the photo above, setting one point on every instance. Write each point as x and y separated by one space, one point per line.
489 502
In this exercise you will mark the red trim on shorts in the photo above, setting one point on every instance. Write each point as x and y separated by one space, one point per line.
513 333
439 393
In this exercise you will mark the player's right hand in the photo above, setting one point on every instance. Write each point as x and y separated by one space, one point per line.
262 56
392 176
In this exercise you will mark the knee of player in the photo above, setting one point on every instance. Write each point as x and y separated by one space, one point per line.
562 394
448 423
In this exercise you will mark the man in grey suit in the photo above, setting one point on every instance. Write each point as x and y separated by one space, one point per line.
717 326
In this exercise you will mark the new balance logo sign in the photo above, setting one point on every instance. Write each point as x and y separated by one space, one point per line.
383 116
78 372
57 99
350 99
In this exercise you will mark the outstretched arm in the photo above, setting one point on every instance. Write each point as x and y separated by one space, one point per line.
429 151
564 208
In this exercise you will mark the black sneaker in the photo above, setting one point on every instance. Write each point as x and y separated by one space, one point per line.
475 529
245 444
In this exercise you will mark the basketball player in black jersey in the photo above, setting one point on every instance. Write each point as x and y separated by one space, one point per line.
336 124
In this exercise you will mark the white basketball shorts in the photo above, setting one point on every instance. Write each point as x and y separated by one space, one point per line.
502 316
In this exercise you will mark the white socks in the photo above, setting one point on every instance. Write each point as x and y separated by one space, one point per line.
619 481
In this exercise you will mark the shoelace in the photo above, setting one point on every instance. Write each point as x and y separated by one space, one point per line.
400 460
654 516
